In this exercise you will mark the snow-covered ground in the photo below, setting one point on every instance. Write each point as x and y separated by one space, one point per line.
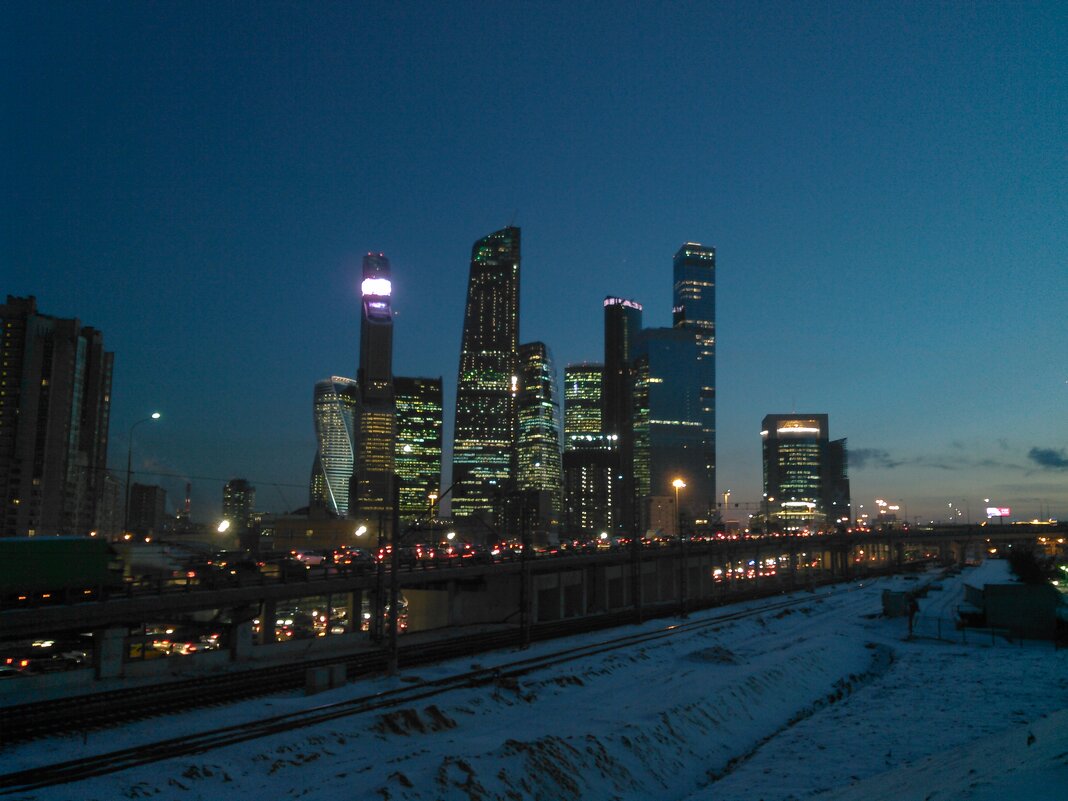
826 699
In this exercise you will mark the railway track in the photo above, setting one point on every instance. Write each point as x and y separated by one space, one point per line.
124 759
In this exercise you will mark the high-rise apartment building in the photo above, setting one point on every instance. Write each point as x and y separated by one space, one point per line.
668 423
622 325
582 399
418 445
148 504
488 382
695 309
239 502
335 429
538 468
805 473
55 402
373 489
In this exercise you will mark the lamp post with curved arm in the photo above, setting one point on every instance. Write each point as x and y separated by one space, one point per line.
129 469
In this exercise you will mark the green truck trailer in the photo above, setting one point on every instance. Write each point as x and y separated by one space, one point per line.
32 567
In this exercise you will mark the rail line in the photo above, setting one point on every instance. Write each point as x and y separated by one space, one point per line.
135 756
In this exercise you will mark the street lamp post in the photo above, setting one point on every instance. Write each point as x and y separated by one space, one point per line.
679 484
129 469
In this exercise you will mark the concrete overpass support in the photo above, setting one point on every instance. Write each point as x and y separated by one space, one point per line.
650 583
493 599
548 598
109 652
268 616
428 609
573 593
241 641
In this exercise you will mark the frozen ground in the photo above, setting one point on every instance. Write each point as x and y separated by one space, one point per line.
827 700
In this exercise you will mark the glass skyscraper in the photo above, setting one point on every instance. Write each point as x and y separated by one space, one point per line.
582 399
335 413
488 380
668 422
805 474
538 468
622 325
418 446
695 309
375 434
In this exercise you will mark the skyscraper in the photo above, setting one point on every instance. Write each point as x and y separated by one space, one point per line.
590 462
668 433
335 426
147 509
805 477
418 447
538 468
582 399
239 502
488 382
375 431
622 324
695 309
55 403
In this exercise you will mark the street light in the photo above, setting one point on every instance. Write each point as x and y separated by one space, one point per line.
129 468
361 531
223 526
679 484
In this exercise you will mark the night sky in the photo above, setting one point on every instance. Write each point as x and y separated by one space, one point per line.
886 186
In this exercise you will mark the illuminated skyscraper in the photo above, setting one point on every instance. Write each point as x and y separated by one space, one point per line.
418 447
55 402
487 384
805 476
239 502
695 309
590 461
582 399
538 470
335 426
375 413
622 324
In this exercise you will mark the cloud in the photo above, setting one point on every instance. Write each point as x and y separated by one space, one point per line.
862 458
1049 458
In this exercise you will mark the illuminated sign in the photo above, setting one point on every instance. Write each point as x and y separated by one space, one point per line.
998 511
630 304
797 430
379 287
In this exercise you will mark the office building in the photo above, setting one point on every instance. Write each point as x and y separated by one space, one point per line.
582 399
589 461
487 381
695 309
334 409
418 447
148 503
372 493
805 474
538 467
239 502
55 402
669 440
622 324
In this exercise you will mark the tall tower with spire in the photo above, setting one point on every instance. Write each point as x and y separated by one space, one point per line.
488 380
372 479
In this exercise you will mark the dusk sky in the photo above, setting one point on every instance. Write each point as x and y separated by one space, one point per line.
886 186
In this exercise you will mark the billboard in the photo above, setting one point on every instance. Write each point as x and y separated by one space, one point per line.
998 511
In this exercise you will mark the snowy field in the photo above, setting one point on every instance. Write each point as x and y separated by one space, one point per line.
824 700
